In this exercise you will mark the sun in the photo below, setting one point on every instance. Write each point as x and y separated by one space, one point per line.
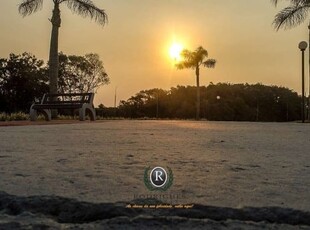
175 51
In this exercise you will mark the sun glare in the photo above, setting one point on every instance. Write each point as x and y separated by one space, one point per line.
175 51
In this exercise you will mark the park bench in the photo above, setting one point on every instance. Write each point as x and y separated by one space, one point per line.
81 101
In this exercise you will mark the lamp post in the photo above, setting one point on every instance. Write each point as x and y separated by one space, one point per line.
157 104
302 46
115 92
309 74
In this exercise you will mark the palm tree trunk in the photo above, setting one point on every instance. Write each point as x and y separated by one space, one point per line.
53 58
198 94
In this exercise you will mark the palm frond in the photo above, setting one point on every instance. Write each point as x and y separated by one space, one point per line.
275 2
195 59
180 65
210 63
200 54
185 65
291 16
293 2
86 8
200 51
28 7
186 54
299 2
188 60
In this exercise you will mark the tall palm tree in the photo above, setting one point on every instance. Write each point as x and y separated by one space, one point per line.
194 60
292 15
85 8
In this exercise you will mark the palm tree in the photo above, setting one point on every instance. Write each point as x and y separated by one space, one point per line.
194 60
292 15
85 8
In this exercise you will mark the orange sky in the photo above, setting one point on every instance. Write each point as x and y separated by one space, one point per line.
134 45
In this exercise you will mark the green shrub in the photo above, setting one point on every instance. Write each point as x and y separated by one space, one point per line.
19 116
66 117
3 116
40 117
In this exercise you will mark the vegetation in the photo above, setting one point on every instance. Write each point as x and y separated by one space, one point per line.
223 101
23 78
194 60
85 8
19 116
81 74
292 15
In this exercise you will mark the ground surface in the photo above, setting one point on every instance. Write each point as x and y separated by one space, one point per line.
219 165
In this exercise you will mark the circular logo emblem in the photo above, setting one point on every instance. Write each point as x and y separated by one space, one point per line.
158 177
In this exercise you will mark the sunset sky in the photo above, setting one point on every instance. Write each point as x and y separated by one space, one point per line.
134 45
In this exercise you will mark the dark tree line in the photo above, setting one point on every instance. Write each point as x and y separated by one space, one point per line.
23 78
228 102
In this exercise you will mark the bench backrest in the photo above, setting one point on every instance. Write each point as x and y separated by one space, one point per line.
68 98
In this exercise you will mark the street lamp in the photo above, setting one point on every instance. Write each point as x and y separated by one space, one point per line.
302 46
157 104
309 73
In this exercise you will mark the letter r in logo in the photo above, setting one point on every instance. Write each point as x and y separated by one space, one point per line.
158 177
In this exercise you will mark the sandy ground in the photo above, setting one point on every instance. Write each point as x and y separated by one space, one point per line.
215 164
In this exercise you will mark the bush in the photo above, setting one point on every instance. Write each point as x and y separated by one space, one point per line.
3 116
19 116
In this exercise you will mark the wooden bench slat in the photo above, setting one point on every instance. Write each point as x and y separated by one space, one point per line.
57 106
63 102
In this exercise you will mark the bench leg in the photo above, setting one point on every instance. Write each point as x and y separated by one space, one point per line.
33 114
82 114
92 114
47 114
90 110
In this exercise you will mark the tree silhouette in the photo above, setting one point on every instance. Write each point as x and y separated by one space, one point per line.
81 74
292 15
22 79
85 8
194 60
